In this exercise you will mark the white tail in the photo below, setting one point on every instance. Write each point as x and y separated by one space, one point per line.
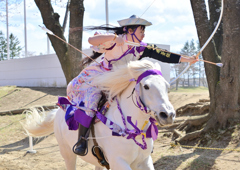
39 123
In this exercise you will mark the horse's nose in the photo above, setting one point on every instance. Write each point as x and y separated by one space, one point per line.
164 115
172 115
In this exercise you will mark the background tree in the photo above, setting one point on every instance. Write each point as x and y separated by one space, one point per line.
14 47
189 49
3 46
177 69
68 57
224 83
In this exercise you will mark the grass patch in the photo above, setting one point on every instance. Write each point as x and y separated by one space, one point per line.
4 90
190 89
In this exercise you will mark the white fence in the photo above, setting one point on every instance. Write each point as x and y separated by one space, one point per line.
44 71
36 71
41 71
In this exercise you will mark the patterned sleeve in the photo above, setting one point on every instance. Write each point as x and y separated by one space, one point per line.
154 52
101 48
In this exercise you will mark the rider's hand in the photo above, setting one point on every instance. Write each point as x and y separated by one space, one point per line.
193 59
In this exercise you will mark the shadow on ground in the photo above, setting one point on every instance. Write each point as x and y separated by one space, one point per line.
20 145
54 91
197 160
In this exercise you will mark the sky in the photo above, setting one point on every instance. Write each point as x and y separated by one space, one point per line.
173 22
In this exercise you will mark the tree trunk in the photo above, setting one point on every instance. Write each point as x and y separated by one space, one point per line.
69 60
215 10
204 32
228 91
66 16
177 81
223 85
76 21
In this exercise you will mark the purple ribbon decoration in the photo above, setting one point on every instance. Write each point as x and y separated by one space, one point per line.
147 73
67 106
152 131
132 134
116 129
136 131
130 50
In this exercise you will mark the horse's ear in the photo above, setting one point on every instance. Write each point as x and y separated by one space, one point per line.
157 66
167 83
133 79
154 63
148 110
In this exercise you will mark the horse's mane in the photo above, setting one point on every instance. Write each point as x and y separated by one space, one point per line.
117 80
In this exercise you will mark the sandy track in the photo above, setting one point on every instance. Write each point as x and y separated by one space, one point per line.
14 143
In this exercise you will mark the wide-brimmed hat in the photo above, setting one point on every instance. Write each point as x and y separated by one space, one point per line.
134 20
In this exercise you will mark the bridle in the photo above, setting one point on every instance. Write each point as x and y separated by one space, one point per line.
139 103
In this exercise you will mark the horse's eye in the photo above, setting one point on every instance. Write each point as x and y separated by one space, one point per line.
146 87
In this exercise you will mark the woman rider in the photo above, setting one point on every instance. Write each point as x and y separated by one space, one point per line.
83 96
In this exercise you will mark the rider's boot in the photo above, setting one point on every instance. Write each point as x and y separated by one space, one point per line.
81 145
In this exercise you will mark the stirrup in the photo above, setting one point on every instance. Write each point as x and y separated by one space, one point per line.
97 151
75 146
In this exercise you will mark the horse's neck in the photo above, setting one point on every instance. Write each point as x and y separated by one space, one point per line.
130 109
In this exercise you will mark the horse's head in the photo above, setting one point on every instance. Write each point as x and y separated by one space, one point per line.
153 93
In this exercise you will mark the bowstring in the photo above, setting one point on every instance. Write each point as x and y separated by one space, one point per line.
140 17
147 8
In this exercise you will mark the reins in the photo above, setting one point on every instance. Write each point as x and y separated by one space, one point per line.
152 130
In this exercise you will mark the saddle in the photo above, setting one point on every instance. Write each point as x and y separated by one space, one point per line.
103 106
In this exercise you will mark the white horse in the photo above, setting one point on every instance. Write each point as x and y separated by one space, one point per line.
151 95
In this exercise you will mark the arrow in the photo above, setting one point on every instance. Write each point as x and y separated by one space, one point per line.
51 33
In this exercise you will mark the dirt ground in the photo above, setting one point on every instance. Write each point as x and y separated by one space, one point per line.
14 143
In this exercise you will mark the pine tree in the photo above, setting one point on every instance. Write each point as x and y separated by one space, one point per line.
14 47
2 47
189 49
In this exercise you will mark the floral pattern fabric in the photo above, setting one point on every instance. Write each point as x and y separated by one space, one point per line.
82 93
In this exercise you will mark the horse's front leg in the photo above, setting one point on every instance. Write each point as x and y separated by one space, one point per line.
119 163
120 153
147 164
98 168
